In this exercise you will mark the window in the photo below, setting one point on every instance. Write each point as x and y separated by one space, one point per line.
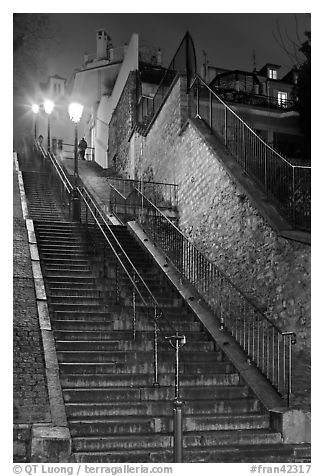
282 99
272 73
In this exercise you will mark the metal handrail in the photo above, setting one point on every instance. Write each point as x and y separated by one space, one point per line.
131 272
261 100
132 276
67 184
285 183
166 194
72 145
245 124
135 271
266 345
158 211
143 181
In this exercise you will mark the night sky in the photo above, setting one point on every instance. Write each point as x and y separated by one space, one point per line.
228 38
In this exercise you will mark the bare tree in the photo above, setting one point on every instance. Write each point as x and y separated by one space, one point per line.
298 51
33 39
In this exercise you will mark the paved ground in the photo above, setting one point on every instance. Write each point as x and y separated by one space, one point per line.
30 397
94 177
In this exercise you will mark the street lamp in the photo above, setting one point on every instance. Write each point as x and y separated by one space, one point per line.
48 107
75 112
35 109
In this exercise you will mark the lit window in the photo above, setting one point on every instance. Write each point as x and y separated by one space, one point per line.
282 99
272 73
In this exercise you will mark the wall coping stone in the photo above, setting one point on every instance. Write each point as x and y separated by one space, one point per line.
283 417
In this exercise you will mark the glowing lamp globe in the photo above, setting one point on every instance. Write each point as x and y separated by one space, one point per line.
35 108
48 106
75 111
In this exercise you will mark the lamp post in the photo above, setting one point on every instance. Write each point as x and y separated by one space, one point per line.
35 109
75 113
48 107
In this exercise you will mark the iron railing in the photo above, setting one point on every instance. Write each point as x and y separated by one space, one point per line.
125 274
68 152
183 62
286 184
253 99
164 195
63 187
264 343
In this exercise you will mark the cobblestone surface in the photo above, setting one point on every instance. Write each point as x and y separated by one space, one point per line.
30 396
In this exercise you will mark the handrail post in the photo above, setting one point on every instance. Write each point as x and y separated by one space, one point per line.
210 110
266 170
197 101
155 351
292 340
293 197
225 125
134 308
117 281
179 341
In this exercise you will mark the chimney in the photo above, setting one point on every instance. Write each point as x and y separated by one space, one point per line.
102 41
159 57
125 48
85 58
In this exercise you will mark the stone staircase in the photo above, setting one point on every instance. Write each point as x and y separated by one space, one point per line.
115 414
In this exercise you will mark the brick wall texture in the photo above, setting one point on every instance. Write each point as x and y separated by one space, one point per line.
220 220
30 397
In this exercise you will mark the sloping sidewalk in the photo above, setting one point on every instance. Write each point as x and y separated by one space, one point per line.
93 177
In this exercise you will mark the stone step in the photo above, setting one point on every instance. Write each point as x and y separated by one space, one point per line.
143 379
190 439
89 316
78 282
77 306
83 323
154 393
63 301
260 453
95 321
59 236
72 293
100 365
248 409
71 267
72 274
100 355
49 246
48 261
63 224
132 346
162 423
125 338
66 254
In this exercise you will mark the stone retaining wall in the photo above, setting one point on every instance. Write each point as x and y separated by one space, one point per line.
219 218
121 124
